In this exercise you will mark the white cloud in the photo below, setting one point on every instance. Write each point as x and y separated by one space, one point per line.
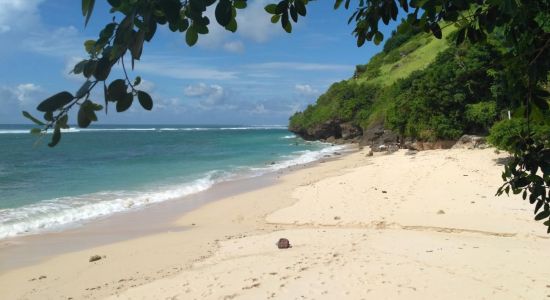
17 15
146 86
235 46
254 24
299 66
22 94
14 99
63 41
209 95
258 109
305 90
26 92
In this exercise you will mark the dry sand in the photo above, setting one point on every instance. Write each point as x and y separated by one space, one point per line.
422 226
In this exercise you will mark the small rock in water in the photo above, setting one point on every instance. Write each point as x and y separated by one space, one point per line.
94 258
441 212
337 153
272 162
283 243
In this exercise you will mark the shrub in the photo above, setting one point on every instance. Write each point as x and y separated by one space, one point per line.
480 116
505 134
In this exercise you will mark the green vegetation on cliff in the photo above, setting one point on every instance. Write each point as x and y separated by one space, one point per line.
420 87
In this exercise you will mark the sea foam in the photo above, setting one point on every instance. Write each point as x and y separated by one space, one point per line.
55 214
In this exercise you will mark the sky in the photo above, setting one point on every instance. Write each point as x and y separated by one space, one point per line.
258 76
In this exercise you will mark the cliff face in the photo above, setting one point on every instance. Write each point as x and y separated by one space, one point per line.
332 129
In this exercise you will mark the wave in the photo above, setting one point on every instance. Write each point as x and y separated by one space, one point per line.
299 158
59 213
292 136
75 130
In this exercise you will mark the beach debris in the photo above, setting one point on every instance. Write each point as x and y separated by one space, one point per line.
384 192
283 243
337 218
441 212
42 277
370 153
94 258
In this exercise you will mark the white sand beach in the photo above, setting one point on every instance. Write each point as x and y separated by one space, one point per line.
402 226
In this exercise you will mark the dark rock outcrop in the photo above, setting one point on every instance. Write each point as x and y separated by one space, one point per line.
350 131
471 142
331 131
420 146
378 138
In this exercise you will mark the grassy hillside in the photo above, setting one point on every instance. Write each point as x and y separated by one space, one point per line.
362 98
420 87
415 54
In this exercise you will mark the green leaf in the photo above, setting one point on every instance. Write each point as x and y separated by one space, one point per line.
114 3
56 137
232 26
33 119
48 116
271 9
89 68
55 102
137 81
124 103
89 46
300 7
191 36
117 90
82 118
294 13
103 69
460 35
275 18
62 122
79 67
36 131
151 30
223 12
239 4
542 215
145 100
84 89
436 30
87 9
136 47
378 38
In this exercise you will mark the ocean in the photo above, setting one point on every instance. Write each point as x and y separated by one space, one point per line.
106 170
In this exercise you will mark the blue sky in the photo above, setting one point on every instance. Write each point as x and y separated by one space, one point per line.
259 75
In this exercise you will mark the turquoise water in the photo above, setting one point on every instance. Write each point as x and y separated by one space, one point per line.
110 169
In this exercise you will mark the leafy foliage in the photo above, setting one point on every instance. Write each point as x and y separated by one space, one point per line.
346 101
507 134
447 99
